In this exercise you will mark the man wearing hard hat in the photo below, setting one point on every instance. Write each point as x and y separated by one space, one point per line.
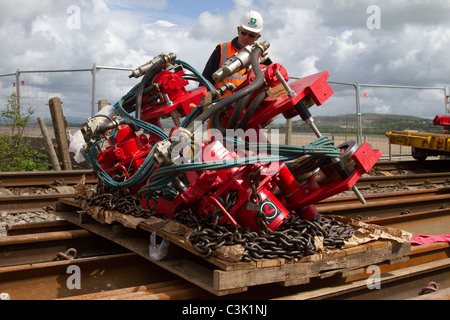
249 30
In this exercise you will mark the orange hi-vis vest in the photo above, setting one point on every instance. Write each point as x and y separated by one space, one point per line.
226 51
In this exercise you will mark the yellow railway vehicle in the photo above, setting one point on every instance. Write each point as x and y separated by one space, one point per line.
423 144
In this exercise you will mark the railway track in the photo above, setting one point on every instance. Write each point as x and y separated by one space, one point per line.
387 204
44 178
29 254
35 271
60 182
71 177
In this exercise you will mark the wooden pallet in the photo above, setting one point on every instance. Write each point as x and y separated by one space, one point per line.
223 277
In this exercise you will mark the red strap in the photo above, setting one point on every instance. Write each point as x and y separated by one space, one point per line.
424 238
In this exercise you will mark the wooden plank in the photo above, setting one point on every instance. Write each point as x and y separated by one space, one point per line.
187 269
335 290
293 273
173 231
166 290
222 278
111 293
160 227
59 126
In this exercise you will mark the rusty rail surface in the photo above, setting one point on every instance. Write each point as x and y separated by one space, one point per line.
70 177
123 275
44 178
29 269
387 204
21 203
128 276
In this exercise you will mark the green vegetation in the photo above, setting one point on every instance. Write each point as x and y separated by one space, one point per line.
15 153
372 124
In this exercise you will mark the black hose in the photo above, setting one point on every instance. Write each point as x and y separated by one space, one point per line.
251 110
202 83
237 112
258 82
130 102
216 121
149 75
308 164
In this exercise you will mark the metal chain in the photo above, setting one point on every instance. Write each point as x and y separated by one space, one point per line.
255 200
119 200
294 239
430 288
70 254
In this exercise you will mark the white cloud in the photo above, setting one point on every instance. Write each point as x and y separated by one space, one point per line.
212 26
308 66
383 109
163 23
306 36
158 4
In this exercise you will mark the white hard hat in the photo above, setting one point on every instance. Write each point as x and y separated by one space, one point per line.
252 21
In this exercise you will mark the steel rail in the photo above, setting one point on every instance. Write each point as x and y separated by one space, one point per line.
12 179
29 271
433 165
51 275
30 203
51 280
366 182
396 278
386 204
44 178
39 227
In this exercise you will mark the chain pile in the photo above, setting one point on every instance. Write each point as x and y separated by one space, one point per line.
294 239
119 200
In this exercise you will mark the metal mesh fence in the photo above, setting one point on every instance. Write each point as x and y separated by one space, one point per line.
360 112
78 89
353 107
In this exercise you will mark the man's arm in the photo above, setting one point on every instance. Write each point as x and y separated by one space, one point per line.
212 65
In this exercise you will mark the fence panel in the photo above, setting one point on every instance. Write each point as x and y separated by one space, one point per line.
353 107
364 112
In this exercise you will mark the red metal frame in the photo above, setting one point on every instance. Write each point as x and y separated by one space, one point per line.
279 191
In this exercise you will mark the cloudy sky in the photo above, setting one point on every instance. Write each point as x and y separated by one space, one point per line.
397 42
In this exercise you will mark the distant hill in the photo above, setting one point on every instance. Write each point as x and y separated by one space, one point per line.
372 123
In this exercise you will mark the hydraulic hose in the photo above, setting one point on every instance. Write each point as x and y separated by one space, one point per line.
129 103
199 76
216 123
237 112
159 182
256 84
156 65
251 110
